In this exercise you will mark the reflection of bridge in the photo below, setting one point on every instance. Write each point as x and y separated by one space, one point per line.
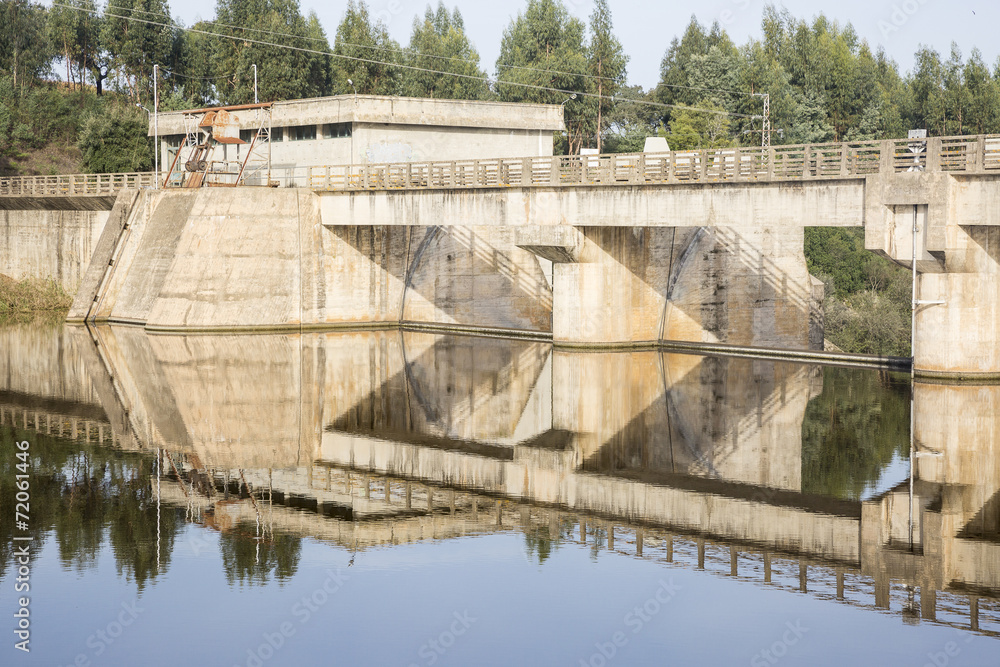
463 432
356 510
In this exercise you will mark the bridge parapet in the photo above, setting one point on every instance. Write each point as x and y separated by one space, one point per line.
69 185
965 154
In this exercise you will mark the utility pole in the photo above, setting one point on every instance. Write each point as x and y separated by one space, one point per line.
255 83
156 126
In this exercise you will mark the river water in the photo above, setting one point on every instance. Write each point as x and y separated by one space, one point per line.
406 498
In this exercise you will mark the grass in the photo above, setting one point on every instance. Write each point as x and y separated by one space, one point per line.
31 295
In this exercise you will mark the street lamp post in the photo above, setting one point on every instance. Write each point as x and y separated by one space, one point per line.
156 126
149 114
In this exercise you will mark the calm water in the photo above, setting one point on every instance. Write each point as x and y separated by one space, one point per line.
389 498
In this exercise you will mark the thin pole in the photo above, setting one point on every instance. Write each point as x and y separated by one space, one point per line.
913 366
255 83
913 300
156 126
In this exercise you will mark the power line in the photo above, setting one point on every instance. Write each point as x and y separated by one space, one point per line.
468 61
199 78
399 65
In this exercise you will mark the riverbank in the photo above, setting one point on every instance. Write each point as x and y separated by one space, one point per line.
25 298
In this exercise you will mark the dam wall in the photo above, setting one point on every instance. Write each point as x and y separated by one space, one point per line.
54 244
245 259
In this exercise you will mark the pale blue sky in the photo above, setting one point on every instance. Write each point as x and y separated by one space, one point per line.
646 27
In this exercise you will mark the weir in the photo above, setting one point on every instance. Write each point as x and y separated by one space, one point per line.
697 248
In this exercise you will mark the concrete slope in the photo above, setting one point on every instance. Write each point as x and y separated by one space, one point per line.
237 262
101 260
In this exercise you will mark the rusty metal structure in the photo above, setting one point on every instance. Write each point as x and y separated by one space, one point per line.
215 152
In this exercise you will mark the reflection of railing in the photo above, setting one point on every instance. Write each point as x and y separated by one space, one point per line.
69 185
61 425
974 154
389 503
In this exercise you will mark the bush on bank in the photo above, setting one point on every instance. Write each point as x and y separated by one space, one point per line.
31 295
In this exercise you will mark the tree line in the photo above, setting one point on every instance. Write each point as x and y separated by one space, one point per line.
824 82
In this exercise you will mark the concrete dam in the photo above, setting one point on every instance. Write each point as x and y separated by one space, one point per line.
698 248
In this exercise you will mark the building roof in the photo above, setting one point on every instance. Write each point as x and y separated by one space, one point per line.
388 110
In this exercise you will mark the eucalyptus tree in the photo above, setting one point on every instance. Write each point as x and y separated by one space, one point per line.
543 59
702 63
62 24
365 57
439 43
138 34
927 104
289 50
984 96
25 50
607 62
74 31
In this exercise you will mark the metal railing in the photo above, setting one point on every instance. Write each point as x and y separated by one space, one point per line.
67 185
971 154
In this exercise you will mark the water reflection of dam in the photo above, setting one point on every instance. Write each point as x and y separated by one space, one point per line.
361 439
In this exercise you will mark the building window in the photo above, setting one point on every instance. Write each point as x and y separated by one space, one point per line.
336 130
277 134
302 133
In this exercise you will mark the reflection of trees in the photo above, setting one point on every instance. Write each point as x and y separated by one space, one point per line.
278 555
541 541
132 523
80 528
83 493
852 430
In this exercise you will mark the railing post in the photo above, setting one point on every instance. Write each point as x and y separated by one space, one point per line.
526 177
702 155
979 159
887 163
554 172
844 150
639 170
737 164
934 147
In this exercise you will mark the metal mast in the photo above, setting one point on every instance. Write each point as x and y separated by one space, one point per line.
765 140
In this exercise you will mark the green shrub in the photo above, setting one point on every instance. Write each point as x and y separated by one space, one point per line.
115 141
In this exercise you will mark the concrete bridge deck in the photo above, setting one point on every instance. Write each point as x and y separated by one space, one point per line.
701 248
